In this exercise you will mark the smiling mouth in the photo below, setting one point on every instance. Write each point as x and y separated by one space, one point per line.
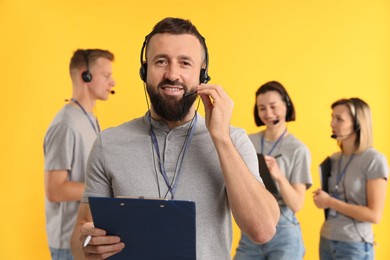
170 88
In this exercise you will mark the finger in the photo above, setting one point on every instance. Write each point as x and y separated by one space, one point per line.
211 90
269 159
104 240
89 239
269 163
104 249
206 102
218 97
103 252
88 229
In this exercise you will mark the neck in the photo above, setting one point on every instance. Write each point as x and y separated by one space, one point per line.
272 134
81 93
173 124
86 103
348 145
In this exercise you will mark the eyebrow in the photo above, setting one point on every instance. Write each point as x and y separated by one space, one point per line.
180 57
158 56
337 115
185 57
272 103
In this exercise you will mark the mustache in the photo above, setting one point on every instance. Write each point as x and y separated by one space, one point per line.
173 83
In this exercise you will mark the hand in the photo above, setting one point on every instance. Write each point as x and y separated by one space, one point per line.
321 199
100 246
218 107
273 167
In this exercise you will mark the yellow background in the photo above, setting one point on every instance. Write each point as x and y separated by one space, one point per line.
320 50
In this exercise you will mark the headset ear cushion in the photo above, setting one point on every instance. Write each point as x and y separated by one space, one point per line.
203 77
143 71
288 102
356 125
86 76
288 108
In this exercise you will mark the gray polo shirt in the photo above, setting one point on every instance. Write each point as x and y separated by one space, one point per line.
294 162
122 163
67 143
365 166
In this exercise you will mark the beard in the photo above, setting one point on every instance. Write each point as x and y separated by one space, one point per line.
170 108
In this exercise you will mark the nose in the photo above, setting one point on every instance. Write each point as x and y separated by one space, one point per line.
172 72
332 123
112 82
268 112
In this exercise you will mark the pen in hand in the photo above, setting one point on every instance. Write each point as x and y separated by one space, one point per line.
277 156
87 240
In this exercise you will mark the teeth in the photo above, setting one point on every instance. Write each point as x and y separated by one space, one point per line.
172 89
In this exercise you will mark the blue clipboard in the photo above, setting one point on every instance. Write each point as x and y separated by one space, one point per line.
150 228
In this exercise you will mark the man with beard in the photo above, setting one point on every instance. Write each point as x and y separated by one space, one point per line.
174 153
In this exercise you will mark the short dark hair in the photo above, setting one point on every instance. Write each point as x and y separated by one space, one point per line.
81 56
176 26
278 87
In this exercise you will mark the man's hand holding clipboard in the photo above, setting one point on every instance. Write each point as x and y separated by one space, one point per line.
149 228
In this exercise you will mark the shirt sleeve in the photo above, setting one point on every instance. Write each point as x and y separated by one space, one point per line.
377 167
58 147
301 167
97 183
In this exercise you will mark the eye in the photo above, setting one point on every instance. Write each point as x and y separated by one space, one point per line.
186 63
161 62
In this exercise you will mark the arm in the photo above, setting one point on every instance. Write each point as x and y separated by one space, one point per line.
255 209
59 145
100 246
58 188
376 193
293 194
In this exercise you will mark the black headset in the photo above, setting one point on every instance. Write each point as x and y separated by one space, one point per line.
203 77
86 75
286 99
288 103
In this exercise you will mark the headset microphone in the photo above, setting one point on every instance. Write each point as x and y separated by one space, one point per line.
112 92
189 94
334 136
